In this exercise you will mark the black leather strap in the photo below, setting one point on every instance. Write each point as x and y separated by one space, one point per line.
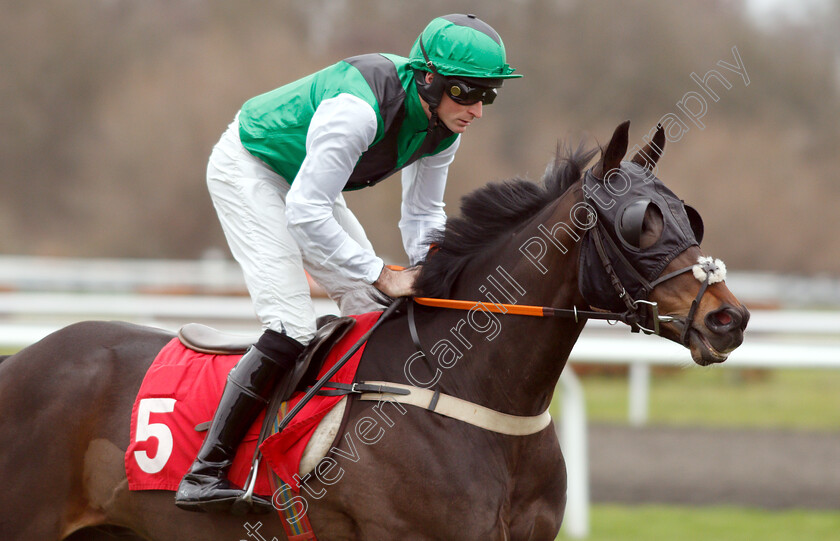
433 404
412 329
607 264
689 319
341 389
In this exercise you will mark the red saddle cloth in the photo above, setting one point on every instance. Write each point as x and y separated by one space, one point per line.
182 389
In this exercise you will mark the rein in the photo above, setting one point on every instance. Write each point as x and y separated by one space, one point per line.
523 310
706 270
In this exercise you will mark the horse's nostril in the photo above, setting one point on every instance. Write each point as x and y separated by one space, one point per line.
724 319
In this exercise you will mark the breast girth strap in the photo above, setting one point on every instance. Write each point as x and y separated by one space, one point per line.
462 410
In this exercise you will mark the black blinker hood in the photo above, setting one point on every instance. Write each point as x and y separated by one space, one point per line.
634 267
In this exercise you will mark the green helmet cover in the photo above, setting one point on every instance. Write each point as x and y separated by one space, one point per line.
461 46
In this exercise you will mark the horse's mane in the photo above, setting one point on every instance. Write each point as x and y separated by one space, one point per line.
489 213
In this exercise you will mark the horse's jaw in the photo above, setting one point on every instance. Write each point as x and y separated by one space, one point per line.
702 350
706 348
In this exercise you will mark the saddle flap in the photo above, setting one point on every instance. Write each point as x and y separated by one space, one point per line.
308 364
313 357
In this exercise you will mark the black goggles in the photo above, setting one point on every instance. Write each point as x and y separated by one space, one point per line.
466 94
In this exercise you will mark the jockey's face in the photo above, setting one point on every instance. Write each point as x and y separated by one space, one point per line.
458 117
455 116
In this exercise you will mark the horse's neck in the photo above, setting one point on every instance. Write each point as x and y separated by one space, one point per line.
515 361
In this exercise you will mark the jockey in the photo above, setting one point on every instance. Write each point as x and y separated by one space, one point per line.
276 178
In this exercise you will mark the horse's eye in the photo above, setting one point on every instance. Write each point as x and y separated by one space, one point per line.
631 222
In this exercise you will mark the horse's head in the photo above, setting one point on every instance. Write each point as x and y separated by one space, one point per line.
643 256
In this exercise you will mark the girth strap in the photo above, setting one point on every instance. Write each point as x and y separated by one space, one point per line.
335 388
462 410
412 329
415 338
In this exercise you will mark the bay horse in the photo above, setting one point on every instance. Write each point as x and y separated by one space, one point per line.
65 402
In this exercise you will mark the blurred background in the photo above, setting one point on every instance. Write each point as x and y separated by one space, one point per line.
109 110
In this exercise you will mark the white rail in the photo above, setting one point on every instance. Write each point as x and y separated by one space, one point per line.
27 317
215 274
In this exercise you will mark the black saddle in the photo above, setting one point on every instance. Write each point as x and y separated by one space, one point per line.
331 329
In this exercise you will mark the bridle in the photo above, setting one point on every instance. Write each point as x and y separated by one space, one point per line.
707 270
641 314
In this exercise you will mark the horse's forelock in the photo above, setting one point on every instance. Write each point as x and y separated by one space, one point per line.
568 167
490 212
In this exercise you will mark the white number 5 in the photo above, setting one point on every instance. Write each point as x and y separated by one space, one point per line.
146 430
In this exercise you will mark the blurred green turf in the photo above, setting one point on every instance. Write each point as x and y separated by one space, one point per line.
724 397
655 523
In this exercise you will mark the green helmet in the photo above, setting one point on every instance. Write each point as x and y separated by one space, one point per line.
461 46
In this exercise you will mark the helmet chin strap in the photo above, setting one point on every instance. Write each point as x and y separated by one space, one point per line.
434 120
425 90
431 92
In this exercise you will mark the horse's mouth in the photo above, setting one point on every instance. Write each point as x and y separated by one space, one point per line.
702 350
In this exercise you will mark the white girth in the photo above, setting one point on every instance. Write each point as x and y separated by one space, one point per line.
449 406
455 408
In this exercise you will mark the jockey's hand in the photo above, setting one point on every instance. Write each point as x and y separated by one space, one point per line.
397 283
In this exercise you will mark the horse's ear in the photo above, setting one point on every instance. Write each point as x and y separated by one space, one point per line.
616 149
648 156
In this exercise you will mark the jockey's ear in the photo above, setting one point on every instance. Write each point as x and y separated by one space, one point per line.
648 156
616 149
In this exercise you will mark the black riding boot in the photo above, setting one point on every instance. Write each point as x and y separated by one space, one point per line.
247 391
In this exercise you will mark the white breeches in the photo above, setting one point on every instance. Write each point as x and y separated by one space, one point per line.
250 200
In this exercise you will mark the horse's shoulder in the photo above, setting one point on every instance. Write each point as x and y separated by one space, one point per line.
539 478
